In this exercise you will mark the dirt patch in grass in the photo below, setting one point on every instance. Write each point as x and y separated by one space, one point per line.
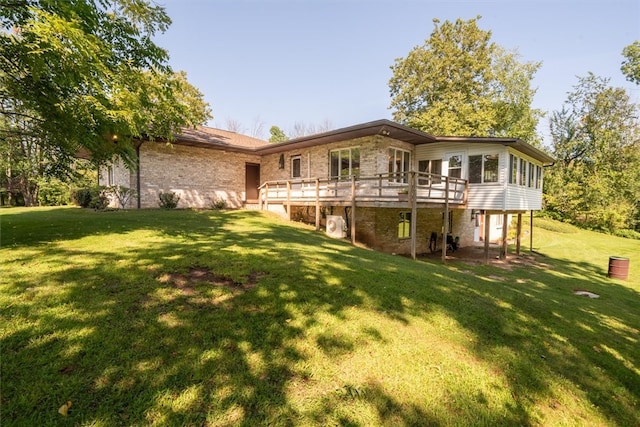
187 282
474 255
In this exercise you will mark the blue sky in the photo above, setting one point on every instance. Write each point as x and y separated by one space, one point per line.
278 62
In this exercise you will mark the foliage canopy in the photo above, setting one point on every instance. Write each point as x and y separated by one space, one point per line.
85 77
460 83
596 141
631 65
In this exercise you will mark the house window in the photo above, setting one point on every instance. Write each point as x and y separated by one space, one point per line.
295 167
404 225
455 166
429 166
483 169
111 177
399 165
513 169
344 162
532 175
538 177
522 180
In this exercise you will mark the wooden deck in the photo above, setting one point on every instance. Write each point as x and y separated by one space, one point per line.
382 190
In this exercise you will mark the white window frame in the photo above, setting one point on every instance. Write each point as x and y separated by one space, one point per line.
111 176
352 170
483 159
297 158
448 165
399 164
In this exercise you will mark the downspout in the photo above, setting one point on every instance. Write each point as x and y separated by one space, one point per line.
138 173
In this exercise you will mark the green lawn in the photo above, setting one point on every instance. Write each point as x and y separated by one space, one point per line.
239 318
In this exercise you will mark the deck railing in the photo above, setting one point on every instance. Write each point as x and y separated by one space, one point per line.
381 188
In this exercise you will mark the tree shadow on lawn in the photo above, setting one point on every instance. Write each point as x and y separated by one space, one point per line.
128 348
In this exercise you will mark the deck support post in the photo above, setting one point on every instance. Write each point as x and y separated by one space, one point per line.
266 196
519 234
445 220
289 200
531 234
413 198
487 231
503 252
353 209
317 204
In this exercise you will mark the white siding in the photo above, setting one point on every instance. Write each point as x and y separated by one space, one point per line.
500 196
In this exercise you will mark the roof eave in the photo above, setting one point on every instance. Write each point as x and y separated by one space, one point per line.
517 144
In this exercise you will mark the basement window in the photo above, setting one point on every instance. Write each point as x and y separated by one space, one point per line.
404 225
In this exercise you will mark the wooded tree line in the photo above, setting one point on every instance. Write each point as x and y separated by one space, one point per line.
84 76
460 83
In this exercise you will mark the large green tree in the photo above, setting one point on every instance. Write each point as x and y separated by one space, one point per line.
460 83
596 141
84 76
631 64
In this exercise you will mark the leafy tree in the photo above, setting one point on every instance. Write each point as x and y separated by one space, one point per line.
277 135
460 83
631 65
85 76
596 139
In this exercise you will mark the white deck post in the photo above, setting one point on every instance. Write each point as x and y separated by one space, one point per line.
519 234
487 230
266 196
503 253
531 234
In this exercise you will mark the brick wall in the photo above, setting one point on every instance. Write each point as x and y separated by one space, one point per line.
120 176
315 160
200 176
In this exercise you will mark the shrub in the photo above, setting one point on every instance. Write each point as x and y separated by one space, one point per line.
218 204
99 201
627 233
168 200
82 197
91 197
121 194
53 192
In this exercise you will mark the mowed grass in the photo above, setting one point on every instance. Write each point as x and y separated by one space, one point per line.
240 318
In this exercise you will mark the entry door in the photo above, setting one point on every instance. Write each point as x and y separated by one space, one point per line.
252 182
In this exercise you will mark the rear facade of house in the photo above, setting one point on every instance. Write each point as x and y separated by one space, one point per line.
388 186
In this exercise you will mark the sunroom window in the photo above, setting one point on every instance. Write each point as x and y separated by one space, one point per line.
433 167
483 168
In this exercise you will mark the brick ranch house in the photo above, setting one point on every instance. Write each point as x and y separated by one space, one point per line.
389 186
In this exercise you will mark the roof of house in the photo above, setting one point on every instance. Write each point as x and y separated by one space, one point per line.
203 136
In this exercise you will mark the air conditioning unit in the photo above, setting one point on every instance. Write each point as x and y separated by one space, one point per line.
335 226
